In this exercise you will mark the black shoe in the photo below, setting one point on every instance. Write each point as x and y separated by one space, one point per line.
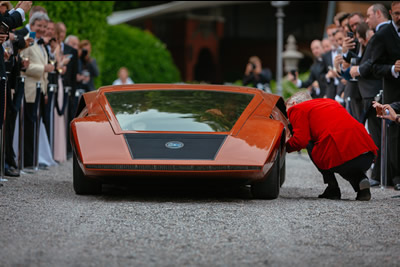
364 195
331 193
397 187
11 173
373 182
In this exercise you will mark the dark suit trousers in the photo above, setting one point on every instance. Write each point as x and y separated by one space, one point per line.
353 170
393 141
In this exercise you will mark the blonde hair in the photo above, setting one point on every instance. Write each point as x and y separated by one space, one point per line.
299 97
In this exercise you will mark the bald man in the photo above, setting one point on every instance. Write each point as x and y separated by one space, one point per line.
316 72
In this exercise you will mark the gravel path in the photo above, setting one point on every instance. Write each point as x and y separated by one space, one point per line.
43 223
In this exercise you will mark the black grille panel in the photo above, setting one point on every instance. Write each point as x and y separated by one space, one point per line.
172 167
194 146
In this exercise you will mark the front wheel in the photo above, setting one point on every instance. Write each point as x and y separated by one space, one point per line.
82 184
268 188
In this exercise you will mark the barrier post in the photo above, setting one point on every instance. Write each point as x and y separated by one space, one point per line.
2 125
37 129
21 127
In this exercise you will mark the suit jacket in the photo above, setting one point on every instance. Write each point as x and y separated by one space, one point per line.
69 77
331 88
35 71
326 123
316 74
13 21
368 84
385 52
396 106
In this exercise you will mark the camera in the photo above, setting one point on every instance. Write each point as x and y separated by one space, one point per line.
84 53
4 29
253 65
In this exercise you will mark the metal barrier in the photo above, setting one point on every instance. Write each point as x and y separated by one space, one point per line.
3 92
36 132
21 128
379 98
50 110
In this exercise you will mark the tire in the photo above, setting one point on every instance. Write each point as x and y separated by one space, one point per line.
269 187
83 185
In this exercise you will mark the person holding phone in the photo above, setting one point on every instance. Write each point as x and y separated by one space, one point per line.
9 21
37 71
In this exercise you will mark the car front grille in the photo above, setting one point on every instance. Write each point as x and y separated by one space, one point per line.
172 167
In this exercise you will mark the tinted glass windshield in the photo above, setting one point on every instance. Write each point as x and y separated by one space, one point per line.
178 110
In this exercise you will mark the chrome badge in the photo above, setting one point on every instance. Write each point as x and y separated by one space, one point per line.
174 145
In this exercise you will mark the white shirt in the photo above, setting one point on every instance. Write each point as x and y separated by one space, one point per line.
119 82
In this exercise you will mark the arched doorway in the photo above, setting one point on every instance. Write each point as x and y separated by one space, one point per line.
205 70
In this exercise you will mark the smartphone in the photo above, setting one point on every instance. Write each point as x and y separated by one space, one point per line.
32 35
69 56
4 29
350 34
293 72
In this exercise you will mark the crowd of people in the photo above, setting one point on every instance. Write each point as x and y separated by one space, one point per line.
43 71
358 65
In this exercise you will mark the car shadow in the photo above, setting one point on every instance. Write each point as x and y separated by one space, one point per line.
175 193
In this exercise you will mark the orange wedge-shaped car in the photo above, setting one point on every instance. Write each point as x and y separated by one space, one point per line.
179 130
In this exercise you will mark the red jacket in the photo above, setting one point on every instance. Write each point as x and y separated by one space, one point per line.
337 136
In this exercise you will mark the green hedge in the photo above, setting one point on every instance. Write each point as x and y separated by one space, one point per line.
145 56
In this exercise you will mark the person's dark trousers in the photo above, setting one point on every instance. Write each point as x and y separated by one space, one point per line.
393 141
29 125
9 136
353 170
29 134
375 130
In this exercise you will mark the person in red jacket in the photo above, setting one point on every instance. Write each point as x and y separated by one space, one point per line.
335 141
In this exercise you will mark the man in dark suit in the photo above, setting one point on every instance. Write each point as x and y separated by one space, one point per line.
69 77
331 81
386 65
12 19
316 71
369 85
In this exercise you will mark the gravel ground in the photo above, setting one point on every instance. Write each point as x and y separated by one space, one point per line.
43 223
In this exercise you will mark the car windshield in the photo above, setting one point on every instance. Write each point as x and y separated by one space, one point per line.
177 110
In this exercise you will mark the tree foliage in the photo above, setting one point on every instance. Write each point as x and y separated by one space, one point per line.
113 46
145 56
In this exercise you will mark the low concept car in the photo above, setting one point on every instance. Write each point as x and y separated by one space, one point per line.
187 131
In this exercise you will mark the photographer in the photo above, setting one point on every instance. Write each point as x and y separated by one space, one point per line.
256 75
90 69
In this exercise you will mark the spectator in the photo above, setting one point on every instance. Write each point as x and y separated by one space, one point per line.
5 6
337 18
256 75
37 71
322 126
13 18
123 77
386 64
25 30
69 76
316 72
90 69
326 45
331 77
